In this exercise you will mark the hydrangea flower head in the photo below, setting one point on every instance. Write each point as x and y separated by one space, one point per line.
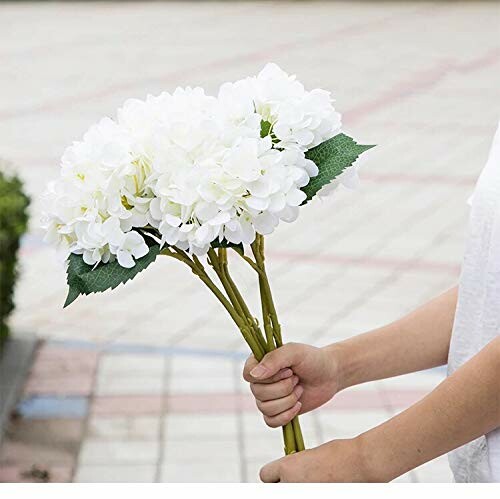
187 169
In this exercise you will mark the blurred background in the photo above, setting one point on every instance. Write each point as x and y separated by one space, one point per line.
144 383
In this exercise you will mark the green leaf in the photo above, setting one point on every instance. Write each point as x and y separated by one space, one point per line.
84 279
265 128
332 157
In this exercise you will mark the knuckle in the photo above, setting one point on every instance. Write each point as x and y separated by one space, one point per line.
271 422
282 419
255 389
267 412
260 406
291 400
288 385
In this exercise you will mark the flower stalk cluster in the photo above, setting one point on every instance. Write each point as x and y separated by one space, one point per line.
191 176
260 341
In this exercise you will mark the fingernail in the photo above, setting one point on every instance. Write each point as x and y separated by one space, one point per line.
295 380
298 391
258 371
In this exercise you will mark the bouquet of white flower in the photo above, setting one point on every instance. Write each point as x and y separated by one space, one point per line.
191 176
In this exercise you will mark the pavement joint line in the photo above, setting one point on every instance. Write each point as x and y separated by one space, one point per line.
45 407
163 421
86 416
158 350
131 348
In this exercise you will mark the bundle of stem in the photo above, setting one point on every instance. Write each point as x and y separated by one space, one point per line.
259 342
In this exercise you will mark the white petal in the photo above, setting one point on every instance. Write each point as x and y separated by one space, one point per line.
311 168
295 197
88 257
247 232
265 223
221 218
141 250
173 220
289 214
257 203
125 259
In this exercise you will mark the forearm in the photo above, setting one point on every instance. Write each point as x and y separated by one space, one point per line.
462 408
418 341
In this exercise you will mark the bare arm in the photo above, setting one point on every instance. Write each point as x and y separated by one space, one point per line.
462 408
298 378
420 340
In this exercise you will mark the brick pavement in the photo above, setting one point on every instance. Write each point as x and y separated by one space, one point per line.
142 395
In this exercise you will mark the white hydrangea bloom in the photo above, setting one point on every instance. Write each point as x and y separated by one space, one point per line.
189 169
299 119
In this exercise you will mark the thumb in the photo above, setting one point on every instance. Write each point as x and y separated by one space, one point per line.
270 473
282 357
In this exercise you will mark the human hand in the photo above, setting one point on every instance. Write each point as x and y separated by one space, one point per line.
335 461
293 379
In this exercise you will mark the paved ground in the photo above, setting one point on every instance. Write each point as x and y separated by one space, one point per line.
143 383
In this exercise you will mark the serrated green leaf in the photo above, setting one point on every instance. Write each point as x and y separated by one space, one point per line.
332 157
85 279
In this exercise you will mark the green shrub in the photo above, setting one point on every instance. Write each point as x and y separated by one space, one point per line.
13 223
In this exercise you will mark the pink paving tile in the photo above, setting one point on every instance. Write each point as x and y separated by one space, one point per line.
58 361
50 352
28 474
206 403
55 385
32 454
126 405
65 433
60 368
230 402
376 262
41 450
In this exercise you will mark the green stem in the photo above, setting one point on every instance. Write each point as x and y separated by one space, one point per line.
240 313
266 318
292 433
198 269
239 299
219 264
289 439
297 430
216 263
258 251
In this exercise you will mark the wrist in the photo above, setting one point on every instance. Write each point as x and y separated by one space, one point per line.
371 468
340 355
379 461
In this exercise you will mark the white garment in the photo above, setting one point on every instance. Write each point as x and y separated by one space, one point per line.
477 319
